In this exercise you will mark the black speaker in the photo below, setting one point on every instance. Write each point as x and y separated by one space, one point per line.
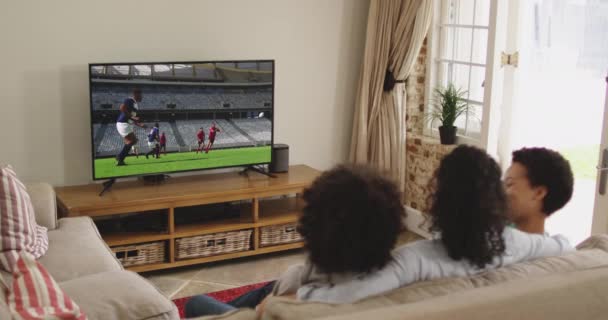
280 158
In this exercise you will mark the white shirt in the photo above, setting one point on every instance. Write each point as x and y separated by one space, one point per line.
427 260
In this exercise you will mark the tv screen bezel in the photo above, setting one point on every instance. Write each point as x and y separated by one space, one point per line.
92 133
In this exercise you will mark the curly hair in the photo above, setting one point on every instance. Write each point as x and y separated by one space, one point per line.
548 168
351 219
469 206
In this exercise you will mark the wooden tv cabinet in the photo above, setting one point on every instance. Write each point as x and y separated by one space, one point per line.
263 205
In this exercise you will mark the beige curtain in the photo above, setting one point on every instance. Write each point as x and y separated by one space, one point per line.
395 32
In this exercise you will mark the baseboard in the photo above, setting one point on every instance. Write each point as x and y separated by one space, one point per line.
415 222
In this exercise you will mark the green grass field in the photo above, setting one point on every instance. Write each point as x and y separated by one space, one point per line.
583 160
105 168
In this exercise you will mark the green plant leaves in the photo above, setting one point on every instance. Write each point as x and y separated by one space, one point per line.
449 103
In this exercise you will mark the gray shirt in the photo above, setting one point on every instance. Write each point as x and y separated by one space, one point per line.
417 261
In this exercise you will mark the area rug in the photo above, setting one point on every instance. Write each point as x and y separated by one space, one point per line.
224 296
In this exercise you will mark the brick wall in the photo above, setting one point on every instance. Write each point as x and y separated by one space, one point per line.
423 153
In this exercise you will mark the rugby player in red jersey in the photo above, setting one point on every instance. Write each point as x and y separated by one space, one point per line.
200 136
212 132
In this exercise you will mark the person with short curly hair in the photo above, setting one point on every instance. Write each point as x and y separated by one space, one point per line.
538 183
344 209
468 211
350 222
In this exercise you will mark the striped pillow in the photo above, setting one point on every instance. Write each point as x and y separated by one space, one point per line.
35 295
18 228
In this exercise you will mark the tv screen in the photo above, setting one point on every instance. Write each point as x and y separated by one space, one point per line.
156 118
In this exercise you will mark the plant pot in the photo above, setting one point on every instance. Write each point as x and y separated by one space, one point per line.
447 134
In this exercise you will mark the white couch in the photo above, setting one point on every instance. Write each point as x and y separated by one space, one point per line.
87 270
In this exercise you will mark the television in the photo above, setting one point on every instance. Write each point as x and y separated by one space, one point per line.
154 118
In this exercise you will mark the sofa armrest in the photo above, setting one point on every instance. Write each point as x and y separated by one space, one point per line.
45 204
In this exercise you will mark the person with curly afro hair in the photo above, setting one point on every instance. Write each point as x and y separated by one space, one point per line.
539 182
350 222
344 209
469 215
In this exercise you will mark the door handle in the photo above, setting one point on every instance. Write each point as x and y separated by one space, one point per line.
603 168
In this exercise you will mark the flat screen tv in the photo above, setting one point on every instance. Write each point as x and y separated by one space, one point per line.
154 118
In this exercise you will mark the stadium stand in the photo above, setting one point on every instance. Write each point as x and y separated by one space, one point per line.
190 98
258 129
112 142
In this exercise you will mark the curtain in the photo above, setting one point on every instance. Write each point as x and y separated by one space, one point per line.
396 30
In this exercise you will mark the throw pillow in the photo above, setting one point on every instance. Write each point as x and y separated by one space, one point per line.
18 228
35 294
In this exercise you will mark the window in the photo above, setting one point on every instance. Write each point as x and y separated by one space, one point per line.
183 70
118 70
459 43
141 70
162 70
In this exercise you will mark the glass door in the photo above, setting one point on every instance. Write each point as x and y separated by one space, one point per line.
555 96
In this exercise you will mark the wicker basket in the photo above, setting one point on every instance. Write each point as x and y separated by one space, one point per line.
146 253
279 234
213 244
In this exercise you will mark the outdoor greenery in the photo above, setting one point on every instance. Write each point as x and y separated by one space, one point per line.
583 160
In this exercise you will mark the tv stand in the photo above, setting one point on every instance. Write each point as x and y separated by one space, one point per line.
245 171
184 207
107 185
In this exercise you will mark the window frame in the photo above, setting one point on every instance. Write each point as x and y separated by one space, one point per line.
433 60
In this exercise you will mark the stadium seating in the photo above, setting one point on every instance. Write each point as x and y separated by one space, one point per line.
258 129
112 142
188 98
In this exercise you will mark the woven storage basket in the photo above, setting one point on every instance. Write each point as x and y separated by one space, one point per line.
284 233
138 254
212 244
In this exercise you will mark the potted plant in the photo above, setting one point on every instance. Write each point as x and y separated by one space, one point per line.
449 104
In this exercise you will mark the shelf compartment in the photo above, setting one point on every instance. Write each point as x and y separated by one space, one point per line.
125 238
279 211
208 219
145 226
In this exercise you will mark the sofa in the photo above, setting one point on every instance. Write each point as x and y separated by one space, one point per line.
87 270
570 286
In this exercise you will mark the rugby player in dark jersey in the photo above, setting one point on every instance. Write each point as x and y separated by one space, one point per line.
124 124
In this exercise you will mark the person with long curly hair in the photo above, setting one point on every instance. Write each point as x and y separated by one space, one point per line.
469 215
350 222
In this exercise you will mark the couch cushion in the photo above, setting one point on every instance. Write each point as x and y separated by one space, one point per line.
76 249
18 228
119 295
45 204
591 256
579 294
241 314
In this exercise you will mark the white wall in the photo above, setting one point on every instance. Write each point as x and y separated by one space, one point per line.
45 47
